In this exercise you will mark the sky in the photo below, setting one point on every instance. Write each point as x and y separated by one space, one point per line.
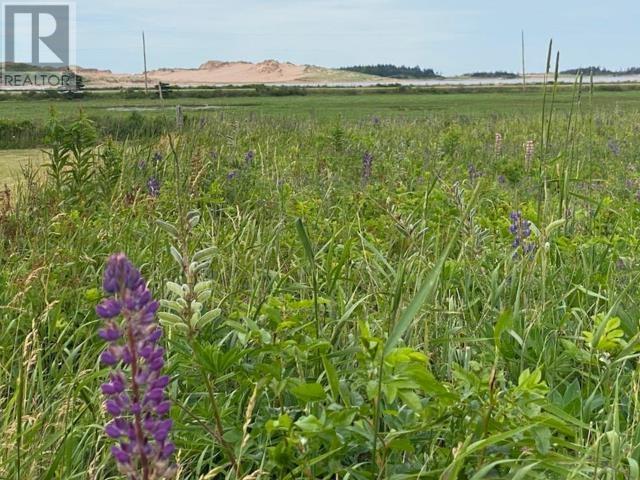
452 37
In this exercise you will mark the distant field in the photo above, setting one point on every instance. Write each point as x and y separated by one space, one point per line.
12 160
325 105
321 106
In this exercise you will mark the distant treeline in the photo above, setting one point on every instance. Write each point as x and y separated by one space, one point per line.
393 71
603 71
496 74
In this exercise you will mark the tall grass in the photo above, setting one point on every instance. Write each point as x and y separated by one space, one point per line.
319 327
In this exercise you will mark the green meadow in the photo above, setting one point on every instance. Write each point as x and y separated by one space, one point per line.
434 285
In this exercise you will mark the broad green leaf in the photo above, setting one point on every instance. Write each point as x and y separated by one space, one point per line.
308 392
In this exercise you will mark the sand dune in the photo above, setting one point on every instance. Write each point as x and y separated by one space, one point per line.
216 72
212 72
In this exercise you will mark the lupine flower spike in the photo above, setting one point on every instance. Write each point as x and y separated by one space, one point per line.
153 186
367 166
529 149
614 147
474 173
498 145
520 228
135 392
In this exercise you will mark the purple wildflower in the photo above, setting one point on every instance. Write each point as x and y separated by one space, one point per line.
367 166
520 228
153 186
157 158
248 157
474 173
134 394
231 175
614 147
502 179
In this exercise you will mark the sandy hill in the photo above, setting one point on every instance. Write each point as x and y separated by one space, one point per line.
214 72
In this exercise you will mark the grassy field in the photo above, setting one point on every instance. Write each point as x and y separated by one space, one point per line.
354 287
328 105
11 162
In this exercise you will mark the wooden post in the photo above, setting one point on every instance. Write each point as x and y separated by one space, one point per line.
524 74
179 117
144 54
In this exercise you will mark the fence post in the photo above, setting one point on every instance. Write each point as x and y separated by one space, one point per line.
179 117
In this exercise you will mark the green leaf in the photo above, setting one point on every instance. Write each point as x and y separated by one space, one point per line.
505 321
332 377
308 392
306 243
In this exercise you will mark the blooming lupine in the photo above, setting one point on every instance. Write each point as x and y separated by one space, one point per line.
614 147
157 158
474 173
367 166
520 228
248 157
498 144
153 186
529 149
135 392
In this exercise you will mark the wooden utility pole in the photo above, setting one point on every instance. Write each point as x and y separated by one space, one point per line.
144 54
524 73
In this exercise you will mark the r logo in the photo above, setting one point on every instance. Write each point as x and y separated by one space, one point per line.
38 34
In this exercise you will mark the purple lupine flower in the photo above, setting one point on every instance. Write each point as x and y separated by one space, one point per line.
614 147
153 186
520 228
157 158
474 173
502 179
367 166
134 394
231 175
248 157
